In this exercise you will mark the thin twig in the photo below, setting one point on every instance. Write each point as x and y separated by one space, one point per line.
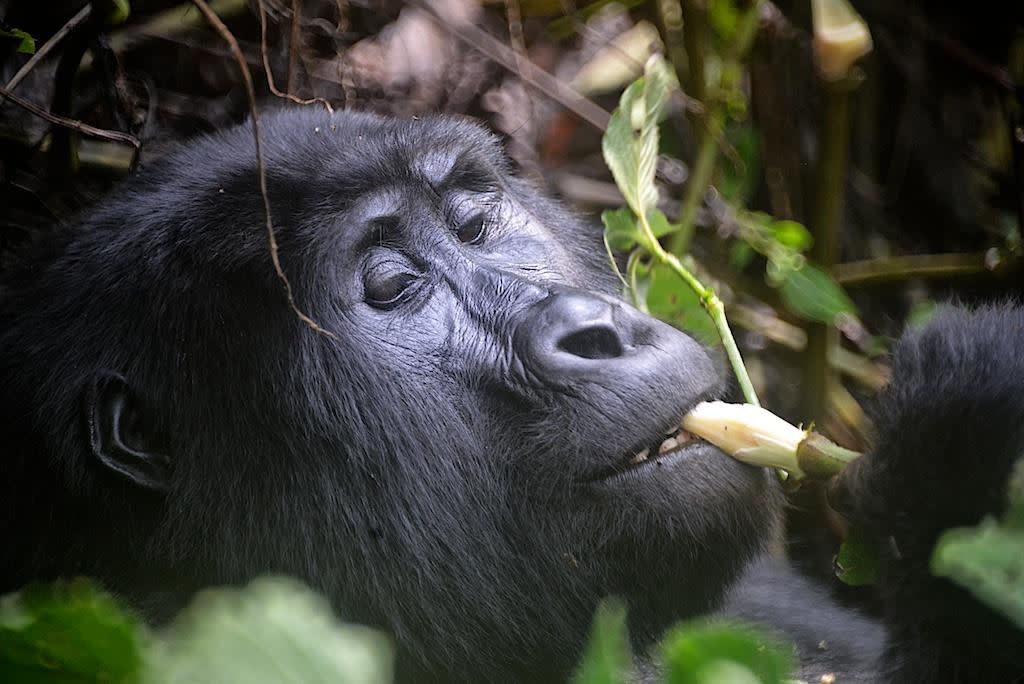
73 124
72 23
270 74
872 271
250 90
716 115
293 46
697 185
531 74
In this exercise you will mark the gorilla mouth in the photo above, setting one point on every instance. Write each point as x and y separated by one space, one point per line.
655 452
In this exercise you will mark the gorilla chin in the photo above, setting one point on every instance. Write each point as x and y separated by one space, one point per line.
694 518
451 463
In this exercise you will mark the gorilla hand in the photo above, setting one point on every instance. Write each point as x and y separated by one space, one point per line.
950 429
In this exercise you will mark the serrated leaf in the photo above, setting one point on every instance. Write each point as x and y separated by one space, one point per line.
607 659
813 295
67 632
26 43
271 632
630 143
721 653
988 560
857 561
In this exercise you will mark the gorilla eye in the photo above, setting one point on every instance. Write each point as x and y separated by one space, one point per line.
471 231
388 283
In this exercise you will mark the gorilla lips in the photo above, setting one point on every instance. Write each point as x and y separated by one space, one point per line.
677 438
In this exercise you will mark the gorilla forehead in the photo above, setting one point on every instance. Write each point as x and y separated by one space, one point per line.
340 157
318 165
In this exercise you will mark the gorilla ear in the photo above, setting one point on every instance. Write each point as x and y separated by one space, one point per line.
119 434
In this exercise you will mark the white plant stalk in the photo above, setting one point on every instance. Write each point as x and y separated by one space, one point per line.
748 433
757 436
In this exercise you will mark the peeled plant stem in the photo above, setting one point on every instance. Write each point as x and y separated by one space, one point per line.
757 436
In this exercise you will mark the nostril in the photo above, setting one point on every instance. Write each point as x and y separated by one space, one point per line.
594 342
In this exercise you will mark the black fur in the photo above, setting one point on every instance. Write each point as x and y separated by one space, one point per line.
950 429
434 465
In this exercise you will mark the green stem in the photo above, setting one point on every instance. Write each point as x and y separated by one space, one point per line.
826 225
695 29
711 303
697 185
820 458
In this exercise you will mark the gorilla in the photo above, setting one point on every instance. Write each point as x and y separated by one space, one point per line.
450 452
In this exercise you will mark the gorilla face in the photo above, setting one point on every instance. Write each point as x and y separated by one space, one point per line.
452 460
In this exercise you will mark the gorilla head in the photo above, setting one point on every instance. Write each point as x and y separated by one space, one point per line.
451 460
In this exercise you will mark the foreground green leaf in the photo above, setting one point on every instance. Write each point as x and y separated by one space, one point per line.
718 653
275 631
68 632
607 659
989 561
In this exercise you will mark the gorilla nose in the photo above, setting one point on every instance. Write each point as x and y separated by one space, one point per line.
573 336
597 341
583 326
572 330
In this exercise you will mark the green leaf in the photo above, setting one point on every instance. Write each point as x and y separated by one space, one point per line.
720 653
988 560
630 143
792 234
659 224
273 631
620 229
67 632
673 301
607 659
857 562
813 295
26 43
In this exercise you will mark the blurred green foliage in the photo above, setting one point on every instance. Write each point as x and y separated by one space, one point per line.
690 653
989 559
274 631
